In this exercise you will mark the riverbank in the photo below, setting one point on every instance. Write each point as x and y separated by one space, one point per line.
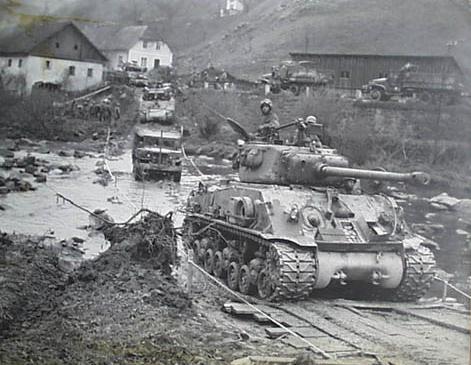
124 307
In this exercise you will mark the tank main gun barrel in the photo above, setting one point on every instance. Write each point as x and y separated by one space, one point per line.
416 177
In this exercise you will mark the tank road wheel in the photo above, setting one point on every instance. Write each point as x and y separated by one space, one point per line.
245 285
137 173
233 275
199 252
218 266
376 95
209 261
418 275
264 285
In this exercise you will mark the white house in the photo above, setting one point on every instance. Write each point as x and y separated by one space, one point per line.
57 54
232 7
139 44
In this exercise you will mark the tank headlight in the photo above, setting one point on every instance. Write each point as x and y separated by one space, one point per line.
240 143
314 220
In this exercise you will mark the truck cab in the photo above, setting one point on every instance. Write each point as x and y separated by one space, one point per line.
157 153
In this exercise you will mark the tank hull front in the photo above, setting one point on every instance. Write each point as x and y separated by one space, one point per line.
384 270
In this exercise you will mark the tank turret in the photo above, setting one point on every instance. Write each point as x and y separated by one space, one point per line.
266 163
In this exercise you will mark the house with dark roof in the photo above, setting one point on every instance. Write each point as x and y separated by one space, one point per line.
56 54
141 45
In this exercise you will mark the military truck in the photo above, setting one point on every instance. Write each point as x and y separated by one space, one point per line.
157 105
157 153
157 140
295 76
409 82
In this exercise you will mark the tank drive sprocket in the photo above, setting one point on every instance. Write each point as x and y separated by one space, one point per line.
418 275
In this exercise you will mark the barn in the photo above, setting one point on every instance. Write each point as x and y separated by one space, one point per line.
351 71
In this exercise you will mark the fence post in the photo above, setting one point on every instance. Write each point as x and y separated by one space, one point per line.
190 271
445 291
308 91
267 89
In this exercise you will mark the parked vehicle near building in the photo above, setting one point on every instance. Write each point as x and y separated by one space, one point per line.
295 76
409 82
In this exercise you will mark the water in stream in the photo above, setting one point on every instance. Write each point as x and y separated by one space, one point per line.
38 212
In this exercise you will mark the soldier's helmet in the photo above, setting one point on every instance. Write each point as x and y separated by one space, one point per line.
311 120
267 102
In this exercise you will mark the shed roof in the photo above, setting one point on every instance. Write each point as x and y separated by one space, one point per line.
450 59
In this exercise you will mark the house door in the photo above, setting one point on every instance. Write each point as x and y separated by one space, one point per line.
156 63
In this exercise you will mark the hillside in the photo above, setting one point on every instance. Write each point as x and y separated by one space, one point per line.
252 42
249 44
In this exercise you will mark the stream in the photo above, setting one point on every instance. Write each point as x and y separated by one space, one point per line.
40 212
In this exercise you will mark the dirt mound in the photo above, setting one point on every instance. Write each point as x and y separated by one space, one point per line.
115 309
141 257
31 275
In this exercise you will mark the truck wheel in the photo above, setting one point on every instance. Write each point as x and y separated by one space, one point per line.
295 89
137 174
426 97
376 95
177 177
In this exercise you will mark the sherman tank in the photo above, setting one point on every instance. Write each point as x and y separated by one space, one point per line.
297 221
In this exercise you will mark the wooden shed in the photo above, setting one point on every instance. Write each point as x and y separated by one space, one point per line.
351 71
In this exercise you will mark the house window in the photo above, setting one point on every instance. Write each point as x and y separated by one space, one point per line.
10 62
57 45
144 44
345 74
157 45
90 72
48 65
76 47
156 63
20 63
143 61
72 70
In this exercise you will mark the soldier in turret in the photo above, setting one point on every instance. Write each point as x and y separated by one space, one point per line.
270 121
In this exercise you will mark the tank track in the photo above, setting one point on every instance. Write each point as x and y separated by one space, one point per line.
418 275
295 271
292 270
